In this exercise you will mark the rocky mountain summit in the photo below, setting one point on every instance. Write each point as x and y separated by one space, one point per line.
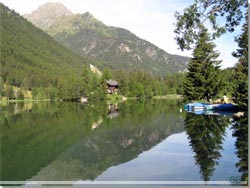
118 48
48 14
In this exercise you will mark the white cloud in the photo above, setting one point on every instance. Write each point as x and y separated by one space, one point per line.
151 20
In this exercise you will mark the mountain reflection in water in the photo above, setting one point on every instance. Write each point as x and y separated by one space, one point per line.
148 140
57 141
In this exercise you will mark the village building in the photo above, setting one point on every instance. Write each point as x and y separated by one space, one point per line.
112 86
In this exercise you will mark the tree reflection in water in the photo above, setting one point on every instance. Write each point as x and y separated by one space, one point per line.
206 134
71 141
240 131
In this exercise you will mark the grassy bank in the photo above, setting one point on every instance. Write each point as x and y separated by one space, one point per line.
115 98
6 101
172 96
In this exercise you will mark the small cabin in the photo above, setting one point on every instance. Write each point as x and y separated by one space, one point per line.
112 86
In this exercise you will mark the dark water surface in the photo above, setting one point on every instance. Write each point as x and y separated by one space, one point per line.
150 141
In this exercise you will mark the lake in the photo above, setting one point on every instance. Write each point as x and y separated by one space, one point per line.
132 141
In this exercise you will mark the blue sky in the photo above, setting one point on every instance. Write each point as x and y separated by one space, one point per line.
152 20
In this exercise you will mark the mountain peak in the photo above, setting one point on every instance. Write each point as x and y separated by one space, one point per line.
57 8
88 14
116 47
47 14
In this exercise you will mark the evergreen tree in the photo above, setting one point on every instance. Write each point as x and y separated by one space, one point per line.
227 80
241 70
122 77
193 82
10 94
86 81
52 93
107 74
202 80
20 95
2 90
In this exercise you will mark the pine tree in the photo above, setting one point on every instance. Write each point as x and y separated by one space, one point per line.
20 95
123 79
202 80
2 90
241 70
10 94
107 74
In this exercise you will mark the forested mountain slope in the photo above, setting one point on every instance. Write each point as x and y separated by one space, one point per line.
116 47
31 58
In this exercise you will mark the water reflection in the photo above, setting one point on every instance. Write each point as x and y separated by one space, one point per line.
32 139
70 141
116 141
113 111
240 131
206 134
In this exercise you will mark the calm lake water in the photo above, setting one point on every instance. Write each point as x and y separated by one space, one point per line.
137 141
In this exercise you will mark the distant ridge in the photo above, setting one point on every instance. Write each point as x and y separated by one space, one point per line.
118 48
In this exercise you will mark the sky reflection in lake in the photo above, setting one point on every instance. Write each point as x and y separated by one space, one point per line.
173 160
149 141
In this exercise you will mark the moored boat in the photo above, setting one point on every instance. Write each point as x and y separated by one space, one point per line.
228 106
213 112
211 106
195 106
206 106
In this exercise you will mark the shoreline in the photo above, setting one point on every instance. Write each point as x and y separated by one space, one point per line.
171 96
23 100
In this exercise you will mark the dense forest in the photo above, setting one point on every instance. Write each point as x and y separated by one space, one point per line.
33 61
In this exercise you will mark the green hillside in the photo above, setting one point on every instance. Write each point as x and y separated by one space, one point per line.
32 62
31 59
116 47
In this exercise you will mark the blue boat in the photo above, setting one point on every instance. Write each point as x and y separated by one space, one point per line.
207 106
211 106
228 106
213 112
195 106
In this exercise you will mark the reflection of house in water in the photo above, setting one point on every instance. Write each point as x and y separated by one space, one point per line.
112 86
96 123
21 107
113 111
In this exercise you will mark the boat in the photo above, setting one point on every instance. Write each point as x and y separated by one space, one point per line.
195 106
213 112
227 106
221 107
211 109
207 106
211 106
